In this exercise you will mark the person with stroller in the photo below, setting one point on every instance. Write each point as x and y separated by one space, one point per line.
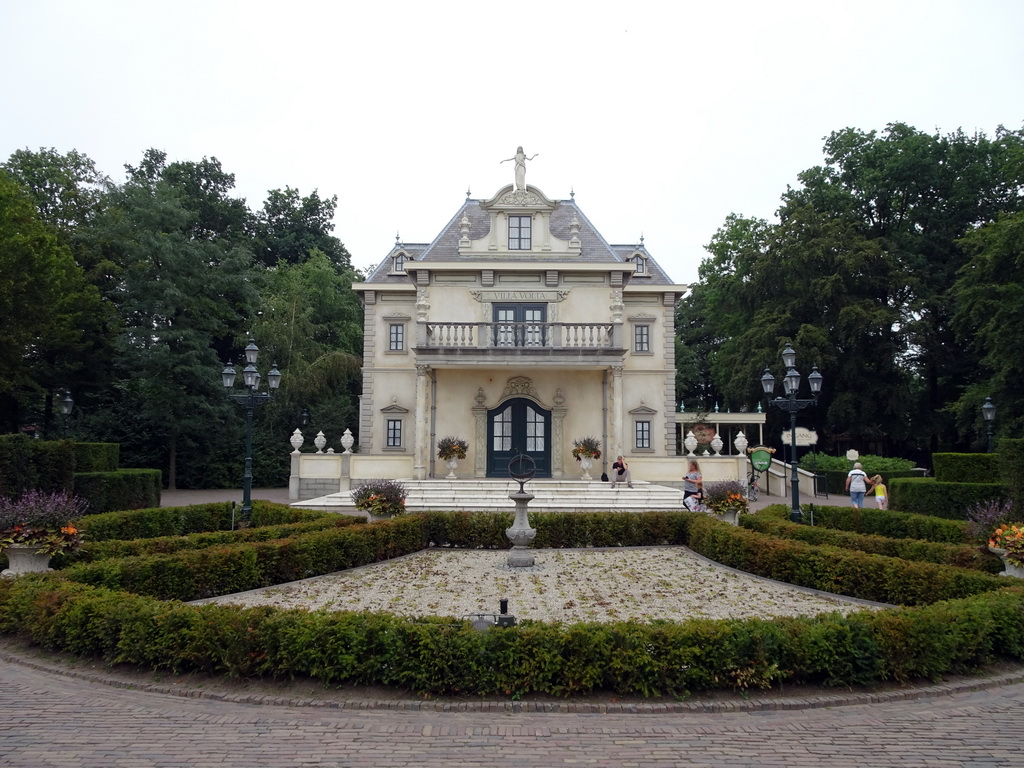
693 487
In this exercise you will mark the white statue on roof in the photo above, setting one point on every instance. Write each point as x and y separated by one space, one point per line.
520 159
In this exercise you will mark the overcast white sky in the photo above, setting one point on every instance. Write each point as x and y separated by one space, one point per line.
664 117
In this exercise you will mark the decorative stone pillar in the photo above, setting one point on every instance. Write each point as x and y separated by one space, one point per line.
480 429
614 446
421 458
557 434
296 441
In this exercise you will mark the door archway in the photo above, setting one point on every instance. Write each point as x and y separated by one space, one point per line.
518 425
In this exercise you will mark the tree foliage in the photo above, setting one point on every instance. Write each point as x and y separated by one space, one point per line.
133 295
860 273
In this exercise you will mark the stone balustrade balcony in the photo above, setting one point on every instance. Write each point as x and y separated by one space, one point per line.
471 343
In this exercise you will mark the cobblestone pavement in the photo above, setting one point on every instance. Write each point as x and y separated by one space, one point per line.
53 717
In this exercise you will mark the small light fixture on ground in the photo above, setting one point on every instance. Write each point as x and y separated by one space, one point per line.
251 398
791 404
988 412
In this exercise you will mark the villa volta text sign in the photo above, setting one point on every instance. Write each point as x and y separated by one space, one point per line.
804 436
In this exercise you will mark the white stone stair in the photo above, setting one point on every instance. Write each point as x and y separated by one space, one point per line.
492 495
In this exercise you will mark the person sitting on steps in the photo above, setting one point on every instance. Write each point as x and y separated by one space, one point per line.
620 473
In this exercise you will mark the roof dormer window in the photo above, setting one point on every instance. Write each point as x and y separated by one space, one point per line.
398 263
640 262
519 233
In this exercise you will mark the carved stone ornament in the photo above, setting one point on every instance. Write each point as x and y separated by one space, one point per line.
519 385
521 197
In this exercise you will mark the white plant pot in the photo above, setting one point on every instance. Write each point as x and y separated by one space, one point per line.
585 464
25 559
453 464
1009 569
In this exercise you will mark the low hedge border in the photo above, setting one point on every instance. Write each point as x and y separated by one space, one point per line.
927 496
447 657
896 525
773 521
830 569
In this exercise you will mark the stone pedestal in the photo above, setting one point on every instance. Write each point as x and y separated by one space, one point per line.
520 534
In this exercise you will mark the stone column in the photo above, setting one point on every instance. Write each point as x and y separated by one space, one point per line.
614 446
480 434
421 459
558 437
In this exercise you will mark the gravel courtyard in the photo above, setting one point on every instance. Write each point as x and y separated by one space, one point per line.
572 585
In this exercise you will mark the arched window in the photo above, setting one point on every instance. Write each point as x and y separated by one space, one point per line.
398 264
641 263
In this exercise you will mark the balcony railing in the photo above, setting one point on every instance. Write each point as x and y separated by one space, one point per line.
519 336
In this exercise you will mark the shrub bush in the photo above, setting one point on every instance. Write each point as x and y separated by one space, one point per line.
42 465
927 496
773 521
966 467
897 525
441 655
1011 472
122 489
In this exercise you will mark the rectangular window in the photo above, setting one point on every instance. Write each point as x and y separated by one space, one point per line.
519 235
394 433
397 337
642 338
643 434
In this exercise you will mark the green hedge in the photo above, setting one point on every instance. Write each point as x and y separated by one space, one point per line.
122 489
897 525
194 574
26 464
181 521
830 569
927 496
966 467
97 457
774 521
442 655
1011 471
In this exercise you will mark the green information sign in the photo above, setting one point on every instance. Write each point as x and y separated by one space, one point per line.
761 457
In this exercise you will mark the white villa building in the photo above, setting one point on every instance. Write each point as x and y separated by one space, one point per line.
519 329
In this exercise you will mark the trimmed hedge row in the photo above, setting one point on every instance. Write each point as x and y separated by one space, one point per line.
830 569
773 521
966 467
26 464
927 496
165 545
121 489
1011 470
200 573
181 521
446 656
896 525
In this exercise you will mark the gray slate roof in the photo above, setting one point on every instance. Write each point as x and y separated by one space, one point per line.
445 247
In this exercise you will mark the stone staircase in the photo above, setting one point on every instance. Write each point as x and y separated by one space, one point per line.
491 495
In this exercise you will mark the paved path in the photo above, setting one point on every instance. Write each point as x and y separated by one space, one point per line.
53 717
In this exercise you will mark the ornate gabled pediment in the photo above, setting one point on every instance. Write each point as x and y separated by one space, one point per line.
509 198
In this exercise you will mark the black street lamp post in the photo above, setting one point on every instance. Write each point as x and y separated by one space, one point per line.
988 412
791 404
66 405
250 399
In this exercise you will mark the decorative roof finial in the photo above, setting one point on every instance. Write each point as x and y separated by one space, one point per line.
467 193
572 193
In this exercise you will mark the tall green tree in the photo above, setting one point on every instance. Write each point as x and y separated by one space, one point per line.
291 227
184 292
45 302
